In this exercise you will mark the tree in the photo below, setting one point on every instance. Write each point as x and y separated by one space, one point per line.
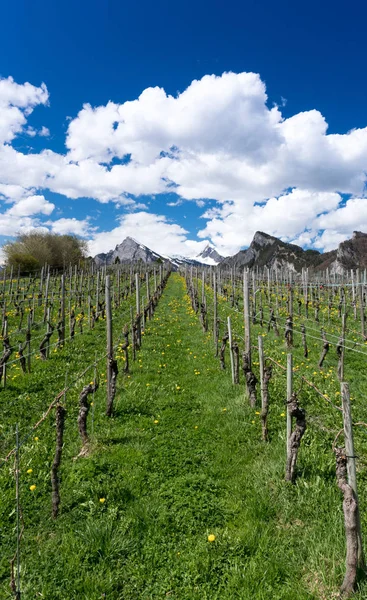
30 251
117 261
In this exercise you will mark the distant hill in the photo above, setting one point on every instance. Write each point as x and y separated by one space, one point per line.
264 250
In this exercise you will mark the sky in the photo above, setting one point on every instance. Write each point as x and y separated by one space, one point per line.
182 124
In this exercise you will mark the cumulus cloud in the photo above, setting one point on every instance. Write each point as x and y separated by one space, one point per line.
16 104
218 139
79 227
32 205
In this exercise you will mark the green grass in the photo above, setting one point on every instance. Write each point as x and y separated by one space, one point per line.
200 469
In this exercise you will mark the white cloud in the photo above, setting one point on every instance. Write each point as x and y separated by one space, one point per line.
16 103
154 231
44 131
32 205
218 139
72 226
22 216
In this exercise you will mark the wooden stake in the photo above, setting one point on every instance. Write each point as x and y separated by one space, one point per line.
246 310
230 347
289 396
351 463
109 346
215 324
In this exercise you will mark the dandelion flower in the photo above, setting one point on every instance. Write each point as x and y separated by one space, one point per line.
156 421
30 471
282 414
102 500
32 487
211 537
36 439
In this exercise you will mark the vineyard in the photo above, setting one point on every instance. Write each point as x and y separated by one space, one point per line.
184 435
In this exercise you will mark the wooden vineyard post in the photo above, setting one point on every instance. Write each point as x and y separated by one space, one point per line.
246 310
46 296
118 287
17 499
62 317
109 348
143 313
361 307
230 347
351 462
215 324
263 403
11 285
97 293
148 290
253 297
4 365
289 396
28 339
137 290
55 483
341 350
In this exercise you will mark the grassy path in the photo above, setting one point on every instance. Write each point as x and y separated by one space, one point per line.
181 461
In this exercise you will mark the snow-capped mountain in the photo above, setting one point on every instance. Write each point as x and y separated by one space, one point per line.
209 256
131 250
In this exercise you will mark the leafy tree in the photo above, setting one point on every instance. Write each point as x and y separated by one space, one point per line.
30 251
117 260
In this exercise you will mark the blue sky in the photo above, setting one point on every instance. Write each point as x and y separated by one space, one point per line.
242 152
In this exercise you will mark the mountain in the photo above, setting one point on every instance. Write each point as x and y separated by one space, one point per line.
264 250
129 250
209 256
267 250
180 261
350 254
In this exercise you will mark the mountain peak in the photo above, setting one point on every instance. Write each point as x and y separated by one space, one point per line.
209 255
263 239
129 250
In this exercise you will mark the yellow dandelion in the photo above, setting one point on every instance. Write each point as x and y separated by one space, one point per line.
102 500
30 471
156 421
32 487
211 538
